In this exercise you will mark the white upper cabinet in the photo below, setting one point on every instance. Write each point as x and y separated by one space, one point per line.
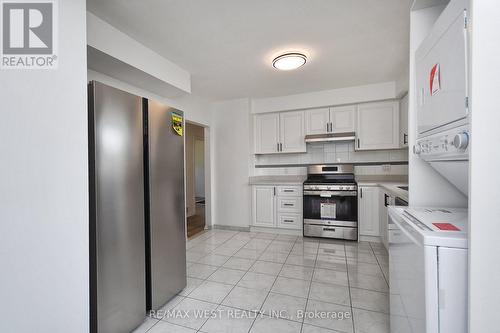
342 119
266 133
279 133
292 132
377 126
317 121
403 122
339 119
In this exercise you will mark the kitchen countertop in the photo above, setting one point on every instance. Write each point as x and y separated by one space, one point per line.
391 186
277 180
388 184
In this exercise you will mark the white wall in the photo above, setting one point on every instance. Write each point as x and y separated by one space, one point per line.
484 191
349 95
111 41
231 127
427 186
44 193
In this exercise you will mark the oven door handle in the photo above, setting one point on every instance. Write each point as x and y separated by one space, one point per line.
329 194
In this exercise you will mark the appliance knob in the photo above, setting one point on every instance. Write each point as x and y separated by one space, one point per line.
417 149
461 140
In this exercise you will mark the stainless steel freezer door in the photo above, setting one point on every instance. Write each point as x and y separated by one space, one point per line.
167 207
120 284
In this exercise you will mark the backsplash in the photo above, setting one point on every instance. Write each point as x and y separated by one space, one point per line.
330 153
384 170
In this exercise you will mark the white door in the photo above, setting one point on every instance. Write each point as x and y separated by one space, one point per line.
403 122
378 126
368 213
263 206
317 121
266 133
292 132
342 119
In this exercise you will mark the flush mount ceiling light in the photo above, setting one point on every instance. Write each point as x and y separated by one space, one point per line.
289 61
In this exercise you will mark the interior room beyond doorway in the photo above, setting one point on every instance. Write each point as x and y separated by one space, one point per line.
195 178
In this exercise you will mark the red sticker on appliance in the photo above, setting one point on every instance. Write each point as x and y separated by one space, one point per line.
446 227
435 79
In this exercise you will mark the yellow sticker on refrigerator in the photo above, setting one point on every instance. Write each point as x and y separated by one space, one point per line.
177 121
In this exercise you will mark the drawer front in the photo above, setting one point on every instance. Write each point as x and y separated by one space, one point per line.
312 230
289 191
290 221
289 204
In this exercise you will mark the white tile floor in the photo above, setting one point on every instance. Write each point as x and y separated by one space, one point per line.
251 279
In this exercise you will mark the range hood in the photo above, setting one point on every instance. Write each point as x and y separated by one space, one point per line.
331 137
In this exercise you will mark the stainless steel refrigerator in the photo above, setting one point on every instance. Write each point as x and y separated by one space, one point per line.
136 201
166 230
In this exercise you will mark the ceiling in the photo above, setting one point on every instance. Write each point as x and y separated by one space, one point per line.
228 45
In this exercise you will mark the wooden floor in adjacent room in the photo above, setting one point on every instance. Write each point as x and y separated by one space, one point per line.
196 223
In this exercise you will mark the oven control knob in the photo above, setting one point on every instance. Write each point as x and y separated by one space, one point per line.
417 149
461 140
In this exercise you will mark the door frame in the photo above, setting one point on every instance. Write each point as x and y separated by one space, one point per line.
208 173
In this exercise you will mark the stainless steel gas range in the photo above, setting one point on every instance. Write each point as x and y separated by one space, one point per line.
331 202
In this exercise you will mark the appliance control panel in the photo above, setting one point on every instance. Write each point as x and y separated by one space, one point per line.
449 145
323 187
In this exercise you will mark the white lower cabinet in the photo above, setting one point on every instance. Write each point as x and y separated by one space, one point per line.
368 211
277 206
289 221
289 204
264 206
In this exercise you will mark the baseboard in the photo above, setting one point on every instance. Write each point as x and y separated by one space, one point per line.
230 227
372 239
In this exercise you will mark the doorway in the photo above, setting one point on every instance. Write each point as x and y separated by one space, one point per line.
195 179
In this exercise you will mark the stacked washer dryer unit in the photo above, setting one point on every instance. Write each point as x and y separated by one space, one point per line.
443 96
428 246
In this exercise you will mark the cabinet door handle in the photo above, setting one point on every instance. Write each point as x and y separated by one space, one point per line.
361 193
274 191
327 127
288 204
288 191
385 200
328 229
358 143
277 146
288 221
405 139
281 147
